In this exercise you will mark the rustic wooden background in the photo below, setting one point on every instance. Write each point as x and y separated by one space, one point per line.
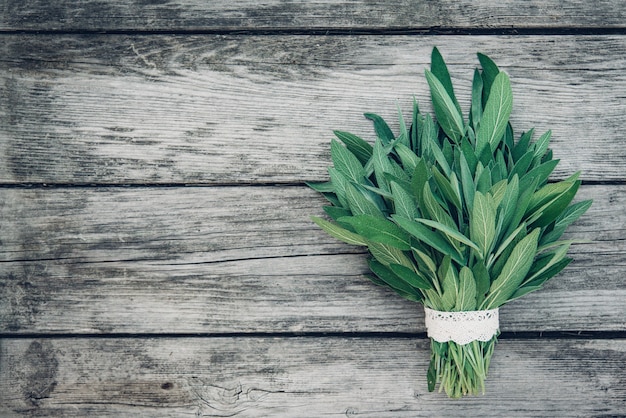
157 257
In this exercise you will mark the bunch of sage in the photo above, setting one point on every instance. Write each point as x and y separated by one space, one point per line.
454 212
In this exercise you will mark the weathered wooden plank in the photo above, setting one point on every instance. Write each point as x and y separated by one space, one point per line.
247 259
229 109
253 377
274 14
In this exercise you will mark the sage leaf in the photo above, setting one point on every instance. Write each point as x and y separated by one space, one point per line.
357 146
380 230
410 276
496 114
483 224
448 115
514 271
429 237
466 298
383 132
338 232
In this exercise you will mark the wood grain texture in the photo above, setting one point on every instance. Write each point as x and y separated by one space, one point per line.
243 109
247 259
292 14
252 377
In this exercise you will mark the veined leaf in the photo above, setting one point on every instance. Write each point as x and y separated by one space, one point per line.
450 285
466 299
557 256
522 146
496 114
410 276
476 110
429 237
451 233
569 215
447 114
513 272
408 158
382 129
357 146
483 281
338 232
345 162
483 224
393 281
539 174
386 254
359 203
404 204
507 205
379 230
446 188
404 133
541 146
440 70
323 187
490 71
336 212
467 182
419 180
434 210
339 182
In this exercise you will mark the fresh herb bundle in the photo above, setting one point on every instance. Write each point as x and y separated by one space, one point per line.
455 213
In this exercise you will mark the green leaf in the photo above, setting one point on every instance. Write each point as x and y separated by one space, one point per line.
393 281
440 70
345 162
539 174
466 299
490 71
541 146
360 203
569 216
357 146
379 230
434 210
336 212
429 237
446 188
483 281
387 254
339 183
323 187
450 285
483 224
382 129
522 146
407 157
467 183
508 204
448 116
338 232
419 180
496 114
476 110
404 204
410 276
550 211
449 232
513 272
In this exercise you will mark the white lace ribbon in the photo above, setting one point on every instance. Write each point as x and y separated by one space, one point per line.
461 327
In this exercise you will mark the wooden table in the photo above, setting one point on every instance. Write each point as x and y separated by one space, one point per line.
157 253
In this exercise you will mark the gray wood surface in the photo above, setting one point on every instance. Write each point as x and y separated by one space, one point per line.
197 259
291 14
223 298
261 109
290 377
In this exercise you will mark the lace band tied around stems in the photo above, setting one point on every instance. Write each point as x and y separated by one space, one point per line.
462 327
